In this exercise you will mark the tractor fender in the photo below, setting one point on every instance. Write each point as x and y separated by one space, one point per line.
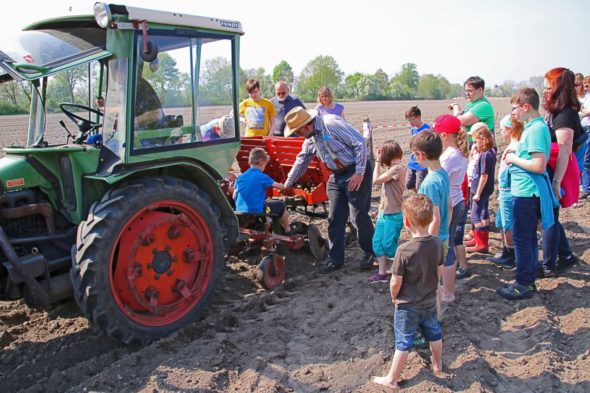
190 170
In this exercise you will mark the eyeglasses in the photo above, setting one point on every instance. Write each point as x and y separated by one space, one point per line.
281 93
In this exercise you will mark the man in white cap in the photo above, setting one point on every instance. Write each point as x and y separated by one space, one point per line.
342 148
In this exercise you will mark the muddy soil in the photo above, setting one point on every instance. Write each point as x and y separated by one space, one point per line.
321 333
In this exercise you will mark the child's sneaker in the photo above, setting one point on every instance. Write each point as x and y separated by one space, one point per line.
419 341
378 278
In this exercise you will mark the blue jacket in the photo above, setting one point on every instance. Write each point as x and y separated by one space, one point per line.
548 199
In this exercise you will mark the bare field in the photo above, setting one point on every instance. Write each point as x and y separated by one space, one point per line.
322 333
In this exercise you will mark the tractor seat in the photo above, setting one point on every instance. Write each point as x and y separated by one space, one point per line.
254 221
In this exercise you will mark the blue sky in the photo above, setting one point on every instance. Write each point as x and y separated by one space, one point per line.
497 39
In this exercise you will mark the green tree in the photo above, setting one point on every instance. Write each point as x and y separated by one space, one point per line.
216 84
266 85
167 80
65 84
14 98
404 85
368 88
283 71
455 90
428 87
13 92
351 88
444 86
382 81
321 71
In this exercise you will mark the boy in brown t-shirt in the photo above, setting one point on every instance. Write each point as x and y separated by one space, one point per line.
417 268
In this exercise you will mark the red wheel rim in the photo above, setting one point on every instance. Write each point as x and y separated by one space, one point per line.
273 271
161 263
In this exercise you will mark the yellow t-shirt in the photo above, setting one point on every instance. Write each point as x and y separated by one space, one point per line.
257 115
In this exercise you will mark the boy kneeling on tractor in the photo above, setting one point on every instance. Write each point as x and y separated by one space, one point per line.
250 190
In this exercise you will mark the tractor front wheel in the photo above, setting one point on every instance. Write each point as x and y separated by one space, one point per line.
148 258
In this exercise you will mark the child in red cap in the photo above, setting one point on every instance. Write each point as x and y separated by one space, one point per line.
454 161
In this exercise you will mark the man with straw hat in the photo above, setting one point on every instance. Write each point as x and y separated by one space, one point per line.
342 148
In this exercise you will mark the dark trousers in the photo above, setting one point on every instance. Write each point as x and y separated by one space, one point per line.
345 204
526 213
554 243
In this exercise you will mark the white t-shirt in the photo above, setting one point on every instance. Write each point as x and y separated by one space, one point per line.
455 164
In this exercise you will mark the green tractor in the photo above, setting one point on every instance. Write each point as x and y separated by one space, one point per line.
113 195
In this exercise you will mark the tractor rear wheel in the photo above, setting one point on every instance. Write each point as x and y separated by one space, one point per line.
148 258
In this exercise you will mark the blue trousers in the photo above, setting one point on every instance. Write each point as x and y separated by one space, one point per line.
526 213
554 243
345 203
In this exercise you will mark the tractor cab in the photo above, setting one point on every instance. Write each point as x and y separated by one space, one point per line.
135 86
130 126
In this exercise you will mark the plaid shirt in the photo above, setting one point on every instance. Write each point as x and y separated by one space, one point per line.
333 137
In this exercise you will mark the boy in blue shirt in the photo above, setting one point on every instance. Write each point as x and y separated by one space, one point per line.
416 173
532 195
427 148
250 190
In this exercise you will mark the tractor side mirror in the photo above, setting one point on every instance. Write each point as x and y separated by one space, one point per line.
149 52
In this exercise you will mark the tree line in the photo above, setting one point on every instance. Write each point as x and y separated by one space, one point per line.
215 85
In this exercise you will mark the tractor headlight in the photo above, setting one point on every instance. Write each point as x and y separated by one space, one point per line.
102 14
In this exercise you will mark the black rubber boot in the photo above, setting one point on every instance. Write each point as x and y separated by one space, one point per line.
506 261
498 256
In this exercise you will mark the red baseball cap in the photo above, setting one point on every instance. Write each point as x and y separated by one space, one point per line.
447 123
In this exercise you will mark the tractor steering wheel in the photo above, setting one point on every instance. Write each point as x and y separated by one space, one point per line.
84 125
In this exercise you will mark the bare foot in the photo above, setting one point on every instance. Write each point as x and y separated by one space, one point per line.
448 298
385 381
436 368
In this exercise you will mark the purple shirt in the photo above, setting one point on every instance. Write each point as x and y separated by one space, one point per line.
337 110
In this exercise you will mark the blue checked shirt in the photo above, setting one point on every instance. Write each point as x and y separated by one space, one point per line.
333 137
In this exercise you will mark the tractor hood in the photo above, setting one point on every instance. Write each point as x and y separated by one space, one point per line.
52 47
17 173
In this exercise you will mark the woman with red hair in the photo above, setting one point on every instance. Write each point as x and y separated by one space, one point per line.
561 104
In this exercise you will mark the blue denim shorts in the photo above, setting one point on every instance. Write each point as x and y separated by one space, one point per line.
408 319
460 230
457 222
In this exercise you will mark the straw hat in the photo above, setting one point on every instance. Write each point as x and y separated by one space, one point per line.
297 118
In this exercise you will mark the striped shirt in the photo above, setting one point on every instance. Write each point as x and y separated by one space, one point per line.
333 137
